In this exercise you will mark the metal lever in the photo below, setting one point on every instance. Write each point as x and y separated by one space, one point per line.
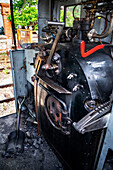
55 23
47 65
94 120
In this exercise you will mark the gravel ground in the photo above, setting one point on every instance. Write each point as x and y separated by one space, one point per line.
37 154
7 108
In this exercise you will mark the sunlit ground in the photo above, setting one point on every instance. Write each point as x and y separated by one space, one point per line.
5 78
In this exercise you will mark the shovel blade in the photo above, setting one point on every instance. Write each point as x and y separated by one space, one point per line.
15 142
20 142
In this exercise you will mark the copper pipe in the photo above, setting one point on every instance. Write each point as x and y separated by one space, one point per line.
110 29
105 26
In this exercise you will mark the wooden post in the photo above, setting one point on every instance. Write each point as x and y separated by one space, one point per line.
5 10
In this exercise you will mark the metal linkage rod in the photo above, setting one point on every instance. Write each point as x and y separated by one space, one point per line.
55 45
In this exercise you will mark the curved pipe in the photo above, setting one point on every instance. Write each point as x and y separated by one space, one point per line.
108 32
73 11
101 17
105 26
91 51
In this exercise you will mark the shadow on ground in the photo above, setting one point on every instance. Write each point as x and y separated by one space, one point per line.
37 154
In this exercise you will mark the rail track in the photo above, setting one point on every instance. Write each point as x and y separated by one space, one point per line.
6 87
6 99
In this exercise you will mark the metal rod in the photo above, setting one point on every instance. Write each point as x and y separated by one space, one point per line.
54 45
55 23
51 9
13 26
36 90
19 114
7 100
6 85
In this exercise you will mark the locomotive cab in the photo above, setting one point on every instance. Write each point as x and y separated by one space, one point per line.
73 79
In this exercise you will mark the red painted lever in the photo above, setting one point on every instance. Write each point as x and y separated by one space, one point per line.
82 47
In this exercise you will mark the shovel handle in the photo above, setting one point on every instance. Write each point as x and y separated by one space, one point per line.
18 121
19 114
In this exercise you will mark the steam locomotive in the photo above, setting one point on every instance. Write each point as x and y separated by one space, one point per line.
73 86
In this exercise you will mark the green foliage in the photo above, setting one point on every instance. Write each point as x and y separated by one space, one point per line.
25 13
77 11
3 53
5 71
69 15
61 16
69 19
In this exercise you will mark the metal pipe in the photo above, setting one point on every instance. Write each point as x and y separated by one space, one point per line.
13 26
54 45
51 9
108 32
55 23
46 38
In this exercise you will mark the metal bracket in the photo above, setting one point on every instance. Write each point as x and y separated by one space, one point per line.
107 144
54 85
94 120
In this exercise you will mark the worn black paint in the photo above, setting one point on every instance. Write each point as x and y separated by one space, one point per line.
94 73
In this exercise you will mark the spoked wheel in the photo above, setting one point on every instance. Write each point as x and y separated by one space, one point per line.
54 110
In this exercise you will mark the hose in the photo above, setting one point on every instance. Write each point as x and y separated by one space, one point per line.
110 29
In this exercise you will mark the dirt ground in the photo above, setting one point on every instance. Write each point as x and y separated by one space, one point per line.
6 78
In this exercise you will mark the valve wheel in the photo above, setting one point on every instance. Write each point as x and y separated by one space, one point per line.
54 111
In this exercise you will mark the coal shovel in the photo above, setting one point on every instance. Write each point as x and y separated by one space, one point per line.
16 138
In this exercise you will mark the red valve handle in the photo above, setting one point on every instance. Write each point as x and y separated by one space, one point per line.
82 47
